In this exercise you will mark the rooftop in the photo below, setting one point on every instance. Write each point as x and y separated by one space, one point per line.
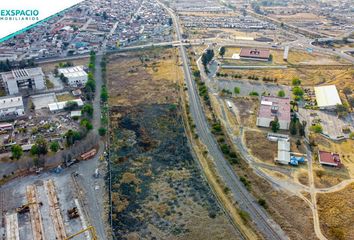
255 53
22 73
329 158
275 107
10 102
327 96
70 72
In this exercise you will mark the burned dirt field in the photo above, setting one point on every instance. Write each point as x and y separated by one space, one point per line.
158 191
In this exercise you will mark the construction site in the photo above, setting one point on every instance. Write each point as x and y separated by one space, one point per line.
44 207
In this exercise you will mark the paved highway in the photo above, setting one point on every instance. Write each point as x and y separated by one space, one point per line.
245 200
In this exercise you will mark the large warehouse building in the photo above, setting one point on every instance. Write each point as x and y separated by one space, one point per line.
23 79
327 97
274 107
76 75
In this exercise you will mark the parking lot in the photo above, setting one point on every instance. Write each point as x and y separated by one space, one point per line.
247 86
331 124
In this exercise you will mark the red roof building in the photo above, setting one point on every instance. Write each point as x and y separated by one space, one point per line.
328 158
274 107
255 54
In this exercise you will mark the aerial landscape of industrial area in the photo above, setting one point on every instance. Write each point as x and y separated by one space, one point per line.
180 119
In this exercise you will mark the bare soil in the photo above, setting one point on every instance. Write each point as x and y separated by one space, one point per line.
260 146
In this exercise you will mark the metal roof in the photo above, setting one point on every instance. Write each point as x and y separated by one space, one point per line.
327 96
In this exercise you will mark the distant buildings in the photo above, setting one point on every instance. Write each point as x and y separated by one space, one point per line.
255 54
76 75
11 107
329 159
272 108
327 97
22 79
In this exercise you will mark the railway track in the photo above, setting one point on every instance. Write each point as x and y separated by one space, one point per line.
264 224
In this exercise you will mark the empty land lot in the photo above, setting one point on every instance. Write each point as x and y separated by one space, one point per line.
341 77
143 77
336 213
158 190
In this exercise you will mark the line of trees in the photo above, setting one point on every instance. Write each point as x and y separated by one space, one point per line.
206 58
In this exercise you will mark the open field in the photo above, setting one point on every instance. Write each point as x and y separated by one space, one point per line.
143 77
49 67
247 109
336 213
289 211
260 147
309 77
158 190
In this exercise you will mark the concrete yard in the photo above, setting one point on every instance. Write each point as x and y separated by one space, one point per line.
331 124
51 197
248 86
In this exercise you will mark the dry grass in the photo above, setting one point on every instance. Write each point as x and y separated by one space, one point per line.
289 211
49 67
302 177
148 76
325 177
297 16
260 146
310 77
247 109
336 212
65 97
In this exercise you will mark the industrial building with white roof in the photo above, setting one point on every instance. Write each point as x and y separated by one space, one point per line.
76 75
11 107
327 97
23 79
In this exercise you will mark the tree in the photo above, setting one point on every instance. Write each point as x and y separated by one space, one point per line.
71 105
40 147
342 110
207 57
253 93
298 91
281 93
85 123
292 127
302 127
196 73
16 151
87 109
275 125
104 94
222 51
54 146
347 91
237 90
317 128
102 131
72 136
296 81
270 57
298 143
